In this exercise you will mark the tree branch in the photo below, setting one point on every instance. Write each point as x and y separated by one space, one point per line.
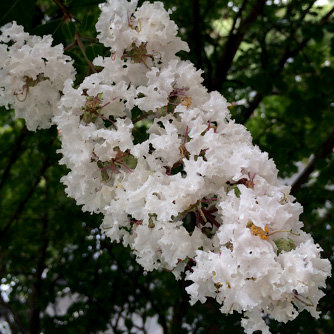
239 14
327 16
67 15
288 53
322 152
233 42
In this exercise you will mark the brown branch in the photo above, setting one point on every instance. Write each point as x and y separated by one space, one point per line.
233 42
325 149
83 51
67 15
327 16
70 46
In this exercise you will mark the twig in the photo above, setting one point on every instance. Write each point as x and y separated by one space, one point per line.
70 46
67 15
82 48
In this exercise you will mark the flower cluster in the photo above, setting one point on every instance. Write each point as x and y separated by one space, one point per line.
29 65
174 176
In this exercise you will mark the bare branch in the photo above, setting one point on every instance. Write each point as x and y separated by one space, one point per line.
233 42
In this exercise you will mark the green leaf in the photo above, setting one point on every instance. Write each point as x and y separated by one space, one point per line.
140 134
94 50
53 27
68 29
87 22
130 161
285 245
236 190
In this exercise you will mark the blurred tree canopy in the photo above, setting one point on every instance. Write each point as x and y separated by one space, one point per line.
273 60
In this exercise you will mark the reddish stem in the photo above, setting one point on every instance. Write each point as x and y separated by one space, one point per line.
211 218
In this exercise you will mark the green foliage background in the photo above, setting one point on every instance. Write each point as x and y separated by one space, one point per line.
273 60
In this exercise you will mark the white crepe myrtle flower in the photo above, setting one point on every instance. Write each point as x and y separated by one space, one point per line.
176 178
29 65
145 35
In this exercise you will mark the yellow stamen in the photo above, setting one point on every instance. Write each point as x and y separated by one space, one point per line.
258 231
186 101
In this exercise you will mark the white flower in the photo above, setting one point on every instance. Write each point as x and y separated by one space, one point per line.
29 65
147 34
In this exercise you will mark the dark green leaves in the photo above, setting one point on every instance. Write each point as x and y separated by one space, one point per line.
94 50
68 29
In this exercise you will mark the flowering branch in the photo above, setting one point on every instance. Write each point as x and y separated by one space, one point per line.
194 195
